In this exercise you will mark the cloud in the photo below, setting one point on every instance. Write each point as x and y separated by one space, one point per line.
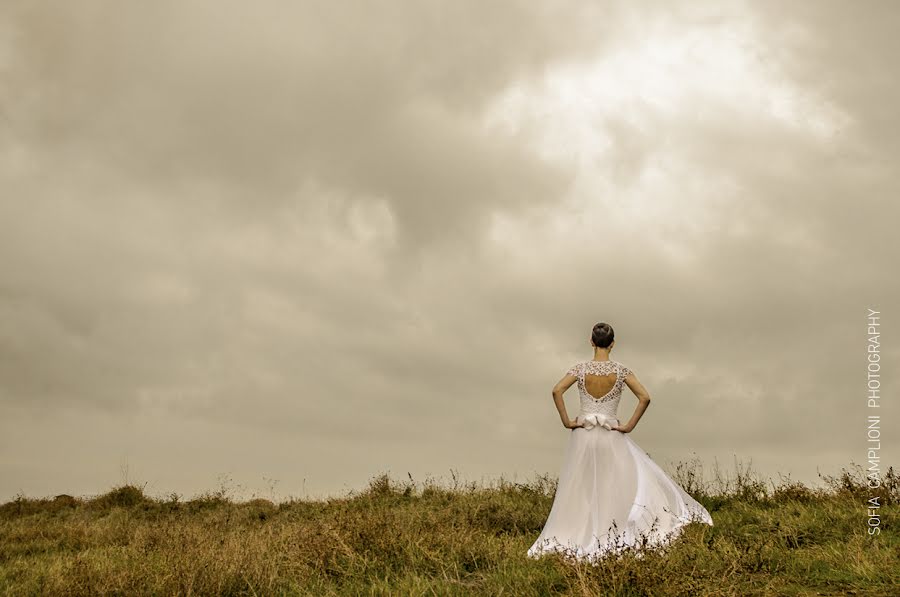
290 217
247 103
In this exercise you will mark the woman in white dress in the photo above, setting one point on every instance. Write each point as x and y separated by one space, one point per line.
610 494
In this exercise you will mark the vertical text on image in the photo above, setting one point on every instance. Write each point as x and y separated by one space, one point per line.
873 420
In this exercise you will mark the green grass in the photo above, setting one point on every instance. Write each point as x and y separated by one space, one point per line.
393 538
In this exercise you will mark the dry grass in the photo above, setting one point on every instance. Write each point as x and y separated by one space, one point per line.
769 538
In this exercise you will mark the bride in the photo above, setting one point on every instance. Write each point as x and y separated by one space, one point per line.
610 495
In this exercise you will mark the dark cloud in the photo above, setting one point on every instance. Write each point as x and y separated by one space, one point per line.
250 102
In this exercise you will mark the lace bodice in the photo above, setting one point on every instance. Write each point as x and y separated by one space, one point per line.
607 404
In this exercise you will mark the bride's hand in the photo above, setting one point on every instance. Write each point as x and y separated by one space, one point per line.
621 428
574 424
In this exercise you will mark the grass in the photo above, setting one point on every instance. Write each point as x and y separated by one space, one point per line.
393 538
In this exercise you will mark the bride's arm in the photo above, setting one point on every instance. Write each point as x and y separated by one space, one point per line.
562 385
643 397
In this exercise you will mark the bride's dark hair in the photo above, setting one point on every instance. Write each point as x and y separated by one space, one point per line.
603 335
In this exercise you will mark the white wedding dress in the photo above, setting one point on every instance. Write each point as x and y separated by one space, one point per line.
610 494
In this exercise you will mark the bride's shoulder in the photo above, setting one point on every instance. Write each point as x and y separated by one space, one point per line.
574 369
625 370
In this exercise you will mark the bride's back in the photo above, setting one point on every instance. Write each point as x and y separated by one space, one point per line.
600 385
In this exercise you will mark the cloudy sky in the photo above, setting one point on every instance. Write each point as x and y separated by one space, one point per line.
290 246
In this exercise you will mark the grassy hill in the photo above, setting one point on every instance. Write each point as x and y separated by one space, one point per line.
403 538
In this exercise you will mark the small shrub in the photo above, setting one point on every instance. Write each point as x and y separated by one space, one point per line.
209 500
792 491
261 509
124 496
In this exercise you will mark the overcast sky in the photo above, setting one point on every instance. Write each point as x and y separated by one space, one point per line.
290 246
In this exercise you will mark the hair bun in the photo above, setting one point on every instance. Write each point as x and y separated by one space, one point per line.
602 335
